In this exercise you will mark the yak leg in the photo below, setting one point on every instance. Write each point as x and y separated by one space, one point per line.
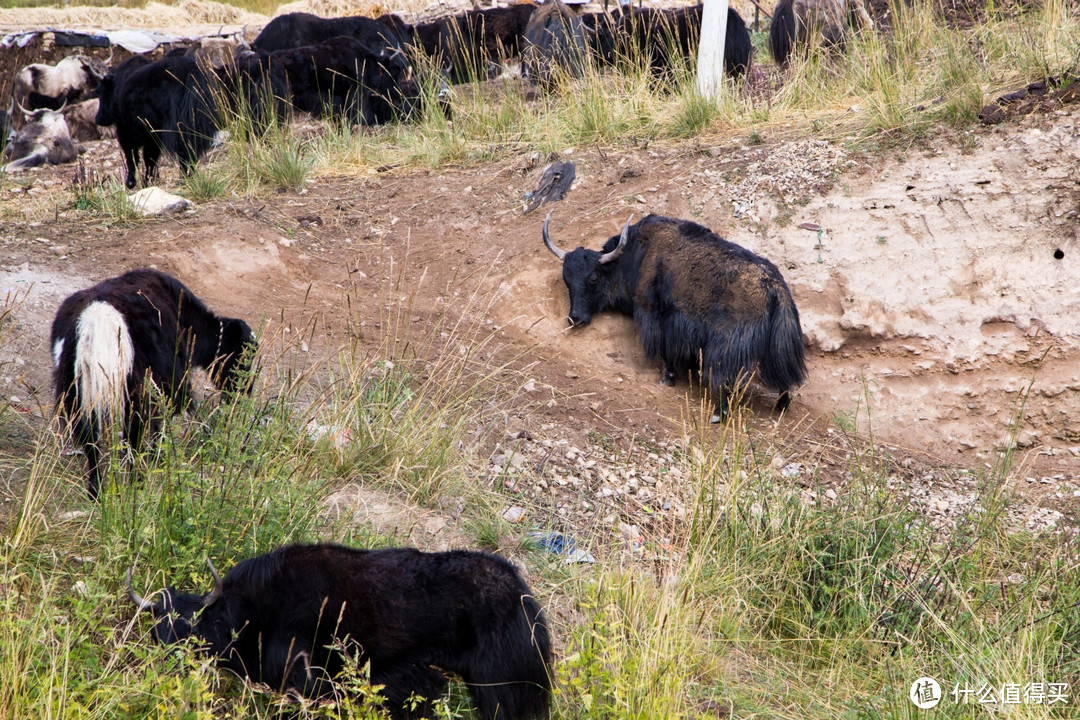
131 156
409 689
782 402
669 375
723 407
151 154
93 469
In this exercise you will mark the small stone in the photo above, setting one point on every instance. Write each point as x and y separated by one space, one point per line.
831 494
514 514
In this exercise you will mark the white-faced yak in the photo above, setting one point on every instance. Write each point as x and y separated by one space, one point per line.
702 304
115 340
798 23
296 617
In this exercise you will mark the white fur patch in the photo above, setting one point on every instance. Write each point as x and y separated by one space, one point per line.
104 357
57 351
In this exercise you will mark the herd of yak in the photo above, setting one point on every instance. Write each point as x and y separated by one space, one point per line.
362 70
295 618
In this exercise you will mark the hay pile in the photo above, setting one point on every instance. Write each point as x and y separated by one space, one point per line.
155 16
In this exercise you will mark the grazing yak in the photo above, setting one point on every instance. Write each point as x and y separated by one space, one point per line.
39 85
44 139
554 43
340 77
472 45
112 341
167 105
798 22
294 618
702 304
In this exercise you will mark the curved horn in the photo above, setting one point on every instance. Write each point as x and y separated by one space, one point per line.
561 254
614 254
142 602
215 594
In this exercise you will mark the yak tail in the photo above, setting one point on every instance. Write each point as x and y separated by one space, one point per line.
782 31
783 366
104 358
737 45
510 674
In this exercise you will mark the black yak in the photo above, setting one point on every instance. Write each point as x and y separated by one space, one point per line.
472 45
293 30
798 22
667 37
554 43
39 86
168 105
45 139
701 303
114 340
289 618
341 78
112 86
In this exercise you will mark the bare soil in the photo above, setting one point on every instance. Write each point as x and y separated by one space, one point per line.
936 283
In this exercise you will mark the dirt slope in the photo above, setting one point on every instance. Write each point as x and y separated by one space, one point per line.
946 277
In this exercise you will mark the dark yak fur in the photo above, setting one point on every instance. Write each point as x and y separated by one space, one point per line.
280 618
340 77
168 105
798 22
554 42
671 36
471 45
702 304
112 85
101 365
293 30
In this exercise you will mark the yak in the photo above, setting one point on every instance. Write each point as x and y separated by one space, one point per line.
472 45
45 139
39 85
667 37
554 43
298 29
797 22
81 119
702 304
113 341
296 617
167 105
341 78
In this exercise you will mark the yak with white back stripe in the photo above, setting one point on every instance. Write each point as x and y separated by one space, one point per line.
703 304
112 341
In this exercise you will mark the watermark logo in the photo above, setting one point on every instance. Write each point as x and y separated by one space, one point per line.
925 693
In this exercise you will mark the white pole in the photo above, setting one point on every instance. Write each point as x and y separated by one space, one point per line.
710 62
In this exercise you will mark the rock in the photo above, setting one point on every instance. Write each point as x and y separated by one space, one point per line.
155 201
513 514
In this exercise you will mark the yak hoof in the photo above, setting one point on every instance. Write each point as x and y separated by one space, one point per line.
782 402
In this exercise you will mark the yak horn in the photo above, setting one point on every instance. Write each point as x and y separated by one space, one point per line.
614 254
142 602
561 254
215 594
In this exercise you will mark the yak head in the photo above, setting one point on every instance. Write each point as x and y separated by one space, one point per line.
106 95
175 613
587 274
235 354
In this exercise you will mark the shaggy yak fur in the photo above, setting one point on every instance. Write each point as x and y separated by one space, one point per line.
112 341
294 619
669 37
471 45
702 304
798 22
340 77
167 105
554 43
293 30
